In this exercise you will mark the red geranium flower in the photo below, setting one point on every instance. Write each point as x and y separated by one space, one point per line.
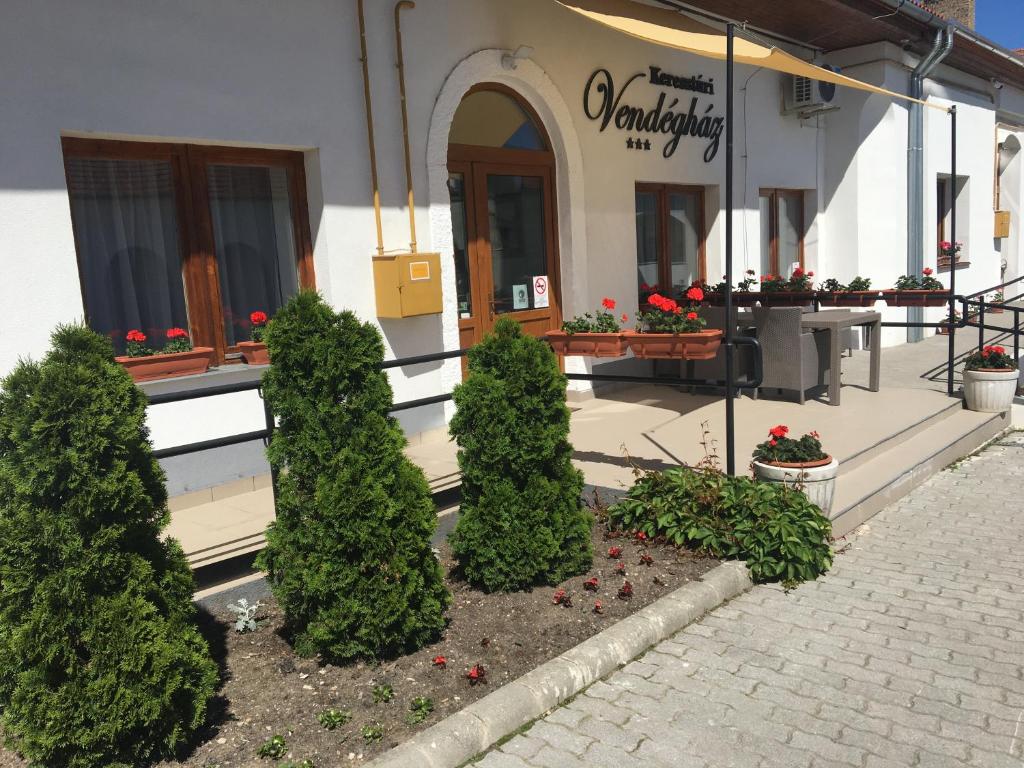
625 317
258 318
620 568
561 598
597 607
641 536
773 442
779 431
798 272
476 674
810 274
677 310
177 333
695 294
591 584
440 661
926 271
136 335
691 315
608 303
625 591
646 559
615 552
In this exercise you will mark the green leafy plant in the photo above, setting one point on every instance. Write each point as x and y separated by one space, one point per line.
779 448
602 321
333 718
924 283
101 662
668 316
522 522
748 281
779 533
420 709
372 733
832 286
383 693
274 747
245 614
799 280
859 284
997 297
135 344
348 557
994 357
178 340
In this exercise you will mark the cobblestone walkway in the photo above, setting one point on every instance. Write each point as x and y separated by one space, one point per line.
909 653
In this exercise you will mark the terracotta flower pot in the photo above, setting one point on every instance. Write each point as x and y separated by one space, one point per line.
896 298
590 344
817 479
848 298
739 298
990 390
168 366
786 298
701 345
254 352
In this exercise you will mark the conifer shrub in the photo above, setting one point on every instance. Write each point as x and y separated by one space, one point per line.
522 522
101 663
348 557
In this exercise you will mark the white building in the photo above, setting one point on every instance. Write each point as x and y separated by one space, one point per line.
183 164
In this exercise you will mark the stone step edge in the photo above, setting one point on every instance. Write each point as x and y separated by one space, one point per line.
478 727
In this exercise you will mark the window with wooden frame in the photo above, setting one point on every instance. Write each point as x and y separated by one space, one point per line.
176 235
782 230
669 237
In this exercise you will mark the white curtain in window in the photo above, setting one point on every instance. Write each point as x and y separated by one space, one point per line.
126 226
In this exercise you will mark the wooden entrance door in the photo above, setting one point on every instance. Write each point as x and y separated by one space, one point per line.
503 217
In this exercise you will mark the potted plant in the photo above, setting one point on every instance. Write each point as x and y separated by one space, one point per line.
943 330
857 294
949 254
990 380
177 358
254 351
742 296
913 291
997 298
596 335
797 461
670 330
796 290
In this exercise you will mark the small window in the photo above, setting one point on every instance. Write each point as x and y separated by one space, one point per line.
782 230
491 118
186 236
669 237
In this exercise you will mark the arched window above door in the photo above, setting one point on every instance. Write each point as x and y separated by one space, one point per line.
489 117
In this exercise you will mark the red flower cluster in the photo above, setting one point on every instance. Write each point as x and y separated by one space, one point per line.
136 336
591 584
779 431
615 552
993 350
646 559
561 598
691 315
620 568
440 662
625 591
258 318
597 607
476 674
625 317
174 333
641 536
798 272
608 303
664 304
695 294
926 271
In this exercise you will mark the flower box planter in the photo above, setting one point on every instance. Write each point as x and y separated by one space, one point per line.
990 390
896 298
590 344
254 352
739 298
701 345
848 298
817 479
168 366
786 298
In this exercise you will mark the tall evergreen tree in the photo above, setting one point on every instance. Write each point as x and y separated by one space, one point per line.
521 521
349 556
101 663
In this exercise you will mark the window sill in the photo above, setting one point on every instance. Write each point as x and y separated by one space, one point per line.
944 266
214 377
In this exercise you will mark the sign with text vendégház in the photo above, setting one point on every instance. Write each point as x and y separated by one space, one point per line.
675 115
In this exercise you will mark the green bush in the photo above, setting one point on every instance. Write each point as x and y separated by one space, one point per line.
779 533
101 663
522 521
349 557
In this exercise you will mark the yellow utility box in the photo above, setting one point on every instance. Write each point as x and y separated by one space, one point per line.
1002 224
407 284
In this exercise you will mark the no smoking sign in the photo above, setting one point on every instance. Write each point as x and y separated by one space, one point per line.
540 291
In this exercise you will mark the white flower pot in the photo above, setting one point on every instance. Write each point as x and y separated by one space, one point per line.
817 481
990 390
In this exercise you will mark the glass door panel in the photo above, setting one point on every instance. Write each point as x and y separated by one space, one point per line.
648 241
683 239
460 236
518 239
790 235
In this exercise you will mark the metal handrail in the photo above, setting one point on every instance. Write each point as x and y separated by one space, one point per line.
996 288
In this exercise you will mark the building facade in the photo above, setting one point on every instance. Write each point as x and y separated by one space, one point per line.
185 164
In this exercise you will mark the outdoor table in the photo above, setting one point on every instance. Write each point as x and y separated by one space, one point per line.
833 321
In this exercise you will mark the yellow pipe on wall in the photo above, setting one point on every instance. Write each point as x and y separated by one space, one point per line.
405 120
369 128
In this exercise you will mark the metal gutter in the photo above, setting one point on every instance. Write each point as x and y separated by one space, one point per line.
915 167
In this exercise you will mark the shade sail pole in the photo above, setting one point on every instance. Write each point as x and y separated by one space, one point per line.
730 416
952 259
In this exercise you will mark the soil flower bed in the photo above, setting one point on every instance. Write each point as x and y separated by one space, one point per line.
346 715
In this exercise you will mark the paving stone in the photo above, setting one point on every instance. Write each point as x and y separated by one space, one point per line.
909 653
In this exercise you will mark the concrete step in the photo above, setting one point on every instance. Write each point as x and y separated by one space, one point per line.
886 474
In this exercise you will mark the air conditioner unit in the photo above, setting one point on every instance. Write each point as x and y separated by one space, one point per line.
805 97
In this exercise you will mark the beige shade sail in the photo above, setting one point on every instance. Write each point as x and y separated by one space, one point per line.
676 30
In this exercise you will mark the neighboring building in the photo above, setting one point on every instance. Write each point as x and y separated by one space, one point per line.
187 163
961 11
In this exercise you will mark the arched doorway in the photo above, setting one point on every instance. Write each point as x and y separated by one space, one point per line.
501 187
